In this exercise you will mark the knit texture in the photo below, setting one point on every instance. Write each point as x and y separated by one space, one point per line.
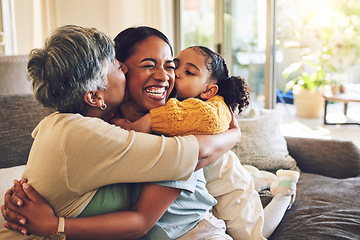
191 116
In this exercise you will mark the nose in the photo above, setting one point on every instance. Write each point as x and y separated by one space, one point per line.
161 75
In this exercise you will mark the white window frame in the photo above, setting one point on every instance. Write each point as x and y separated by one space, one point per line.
8 21
269 71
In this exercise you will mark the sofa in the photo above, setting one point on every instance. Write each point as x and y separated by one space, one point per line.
327 203
13 75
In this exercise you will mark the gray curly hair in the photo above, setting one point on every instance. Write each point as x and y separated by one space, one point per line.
73 61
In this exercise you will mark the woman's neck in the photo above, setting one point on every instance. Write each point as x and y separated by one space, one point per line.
128 112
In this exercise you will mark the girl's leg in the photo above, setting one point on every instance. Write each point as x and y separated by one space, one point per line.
274 213
209 228
238 204
284 192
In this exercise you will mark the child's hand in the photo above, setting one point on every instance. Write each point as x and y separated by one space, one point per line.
234 125
121 122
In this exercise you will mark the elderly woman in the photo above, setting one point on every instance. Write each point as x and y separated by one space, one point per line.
76 152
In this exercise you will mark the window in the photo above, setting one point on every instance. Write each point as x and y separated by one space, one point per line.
242 26
7 35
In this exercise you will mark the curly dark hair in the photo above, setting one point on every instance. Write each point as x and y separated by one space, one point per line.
234 89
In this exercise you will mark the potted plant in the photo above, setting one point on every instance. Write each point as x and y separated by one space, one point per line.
308 79
324 37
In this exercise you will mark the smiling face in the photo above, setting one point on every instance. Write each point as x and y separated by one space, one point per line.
150 77
191 73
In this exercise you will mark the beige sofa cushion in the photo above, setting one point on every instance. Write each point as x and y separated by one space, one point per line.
7 175
262 144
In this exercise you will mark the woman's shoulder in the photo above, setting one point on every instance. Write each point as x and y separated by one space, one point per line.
73 122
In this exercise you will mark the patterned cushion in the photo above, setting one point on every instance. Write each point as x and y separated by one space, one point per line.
262 144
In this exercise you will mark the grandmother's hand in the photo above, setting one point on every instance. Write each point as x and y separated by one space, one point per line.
27 212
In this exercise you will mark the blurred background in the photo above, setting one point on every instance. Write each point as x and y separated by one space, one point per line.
258 38
274 44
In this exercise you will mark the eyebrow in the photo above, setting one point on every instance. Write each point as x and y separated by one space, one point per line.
154 60
149 59
191 64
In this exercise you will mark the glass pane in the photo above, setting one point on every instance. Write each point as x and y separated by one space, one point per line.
245 43
319 41
197 23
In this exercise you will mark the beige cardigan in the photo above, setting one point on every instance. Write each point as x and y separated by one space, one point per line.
72 156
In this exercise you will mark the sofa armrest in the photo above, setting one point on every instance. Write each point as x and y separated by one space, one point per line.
332 158
19 115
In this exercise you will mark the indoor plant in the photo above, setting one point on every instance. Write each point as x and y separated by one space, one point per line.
308 78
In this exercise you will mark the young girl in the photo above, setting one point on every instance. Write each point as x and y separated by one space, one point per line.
207 92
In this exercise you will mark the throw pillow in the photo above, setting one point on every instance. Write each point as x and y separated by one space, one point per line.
7 175
262 144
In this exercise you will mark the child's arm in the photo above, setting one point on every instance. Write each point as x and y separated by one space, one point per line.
152 203
141 125
191 116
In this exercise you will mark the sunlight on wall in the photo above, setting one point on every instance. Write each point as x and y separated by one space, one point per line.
34 19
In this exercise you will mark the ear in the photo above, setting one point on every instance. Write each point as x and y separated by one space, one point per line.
93 99
211 91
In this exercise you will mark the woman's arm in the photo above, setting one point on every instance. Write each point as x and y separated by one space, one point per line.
212 147
152 203
39 218
177 118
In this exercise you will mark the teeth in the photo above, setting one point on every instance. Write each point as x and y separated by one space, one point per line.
156 91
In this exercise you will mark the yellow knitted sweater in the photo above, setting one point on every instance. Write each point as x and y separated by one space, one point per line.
191 116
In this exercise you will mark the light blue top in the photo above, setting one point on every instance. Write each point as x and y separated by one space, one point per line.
187 210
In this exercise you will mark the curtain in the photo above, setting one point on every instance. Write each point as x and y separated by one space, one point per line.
45 20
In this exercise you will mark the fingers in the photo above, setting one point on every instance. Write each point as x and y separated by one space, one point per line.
15 200
24 180
11 216
18 195
32 194
8 201
16 227
9 210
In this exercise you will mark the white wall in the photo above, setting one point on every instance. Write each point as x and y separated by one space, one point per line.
108 16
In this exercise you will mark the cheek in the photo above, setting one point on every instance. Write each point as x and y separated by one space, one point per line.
136 78
171 82
132 89
134 82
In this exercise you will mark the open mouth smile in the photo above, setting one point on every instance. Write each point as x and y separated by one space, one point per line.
156 92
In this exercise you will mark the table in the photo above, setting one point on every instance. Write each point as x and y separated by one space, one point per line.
345 98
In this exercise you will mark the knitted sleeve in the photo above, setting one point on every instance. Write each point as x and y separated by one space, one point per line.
191 116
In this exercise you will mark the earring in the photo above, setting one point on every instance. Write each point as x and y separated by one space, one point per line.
103 107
